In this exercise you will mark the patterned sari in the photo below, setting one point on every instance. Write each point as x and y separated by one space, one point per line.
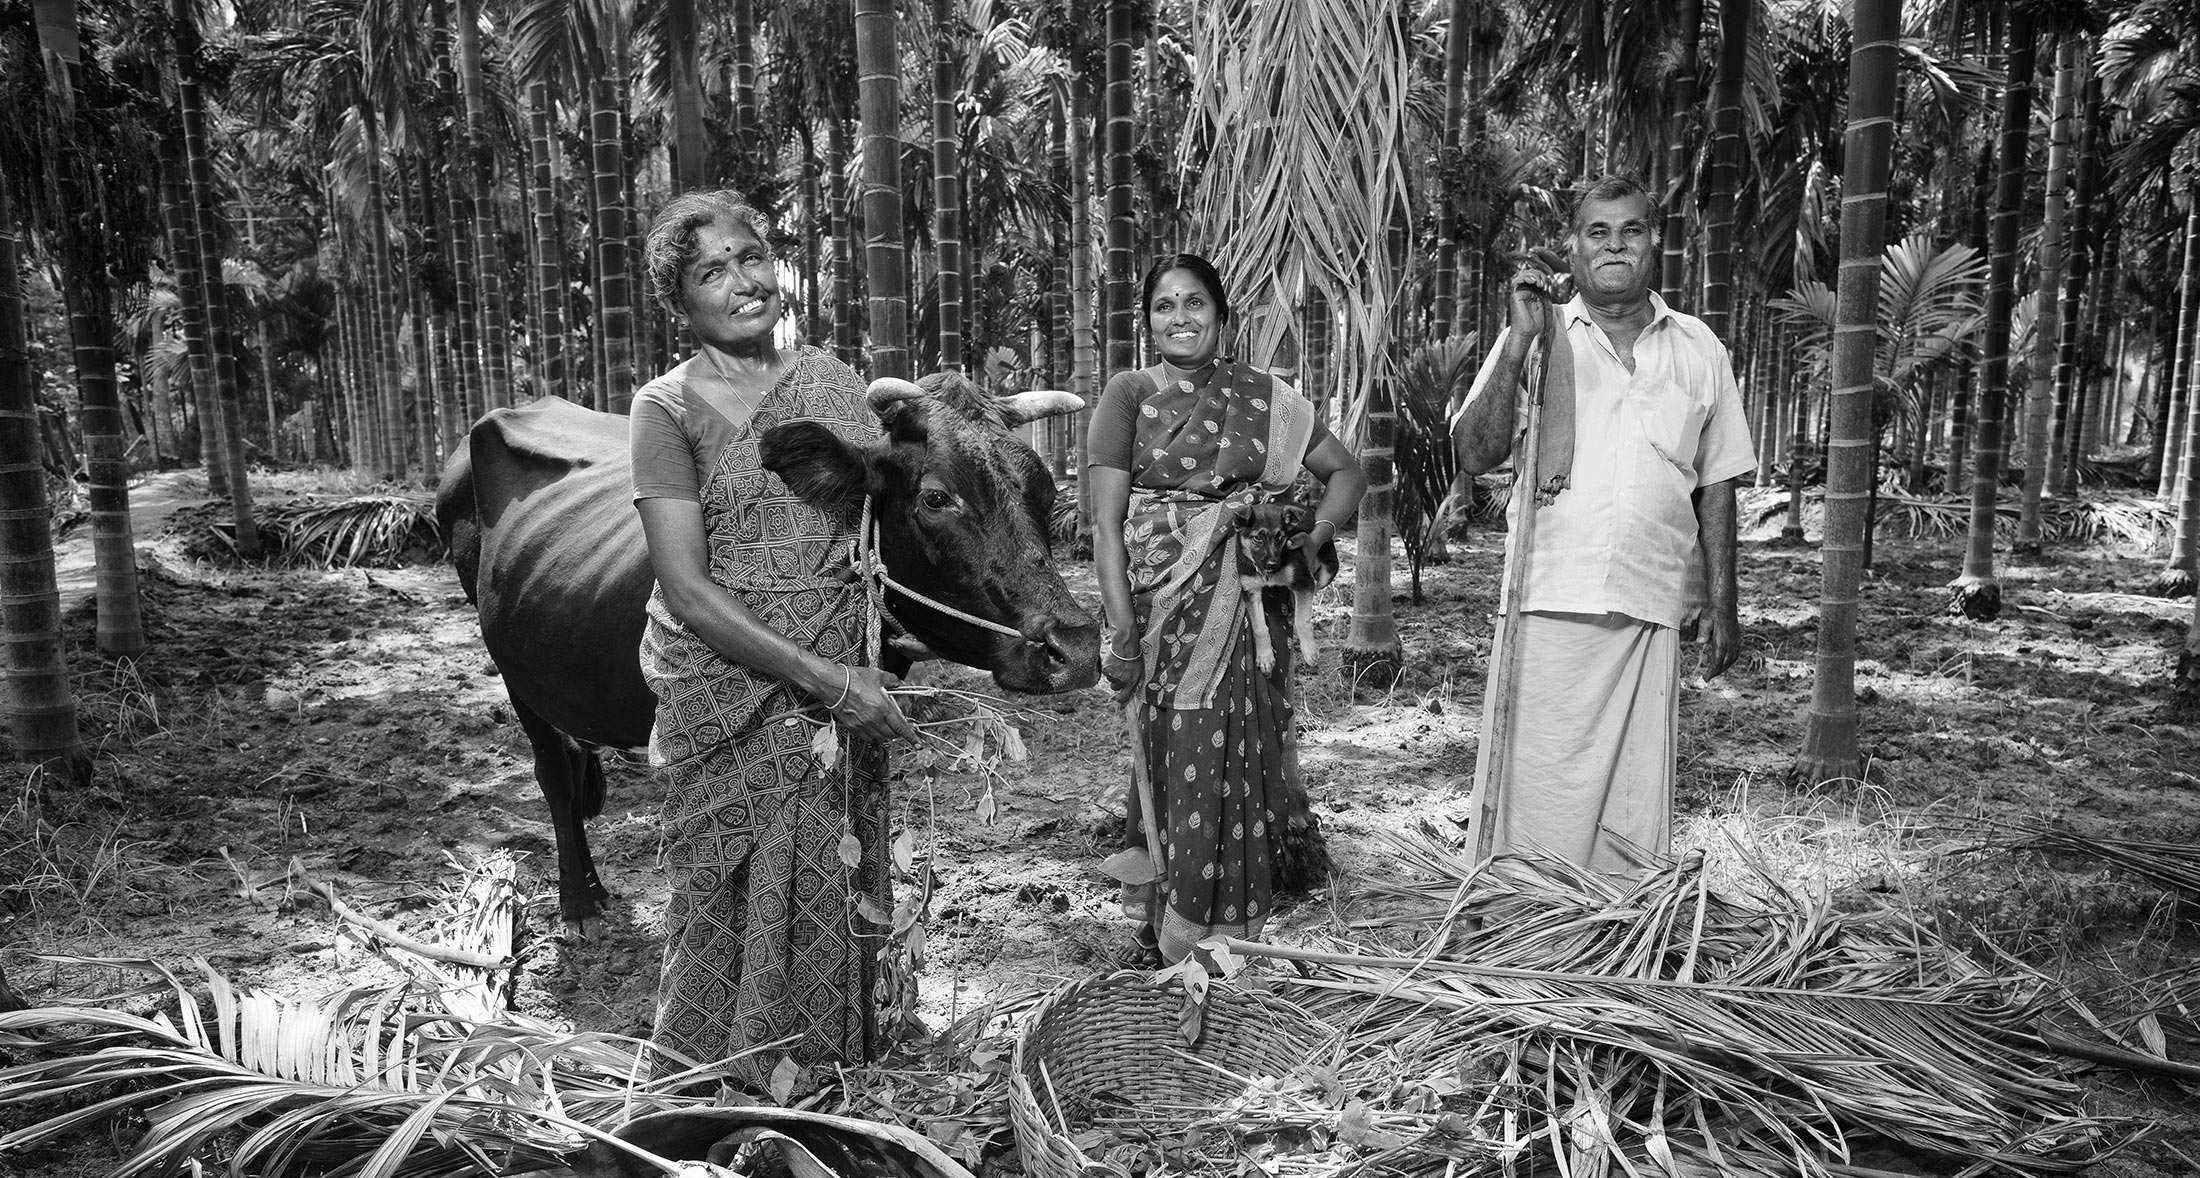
763 942
1218 747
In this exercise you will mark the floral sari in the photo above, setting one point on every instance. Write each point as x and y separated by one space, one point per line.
1217 751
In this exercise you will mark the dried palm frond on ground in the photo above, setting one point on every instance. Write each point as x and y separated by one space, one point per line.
2137 521
2170 866
380 530
1528 1009
370 1076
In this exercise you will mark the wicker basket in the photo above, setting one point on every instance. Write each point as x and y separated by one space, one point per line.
1121 1033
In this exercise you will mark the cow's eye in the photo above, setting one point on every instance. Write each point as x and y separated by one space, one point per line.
935 499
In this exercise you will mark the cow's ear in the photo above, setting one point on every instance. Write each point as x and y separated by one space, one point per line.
1038 403
819 466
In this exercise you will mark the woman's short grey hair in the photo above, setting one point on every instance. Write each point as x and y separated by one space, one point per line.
672 246
1617 188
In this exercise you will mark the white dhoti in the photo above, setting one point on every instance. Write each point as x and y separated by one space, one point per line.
1589 771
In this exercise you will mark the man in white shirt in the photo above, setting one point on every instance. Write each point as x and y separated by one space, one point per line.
1644 438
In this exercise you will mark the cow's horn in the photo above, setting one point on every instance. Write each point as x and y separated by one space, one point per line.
887 390
1038 403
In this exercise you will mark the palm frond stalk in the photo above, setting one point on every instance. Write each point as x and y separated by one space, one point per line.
1521 1010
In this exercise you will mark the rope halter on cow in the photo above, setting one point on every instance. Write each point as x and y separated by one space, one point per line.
876 580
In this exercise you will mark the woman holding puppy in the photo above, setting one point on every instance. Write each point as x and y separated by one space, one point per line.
1176 452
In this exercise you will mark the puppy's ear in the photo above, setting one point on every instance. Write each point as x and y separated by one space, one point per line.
1295 518
1241 512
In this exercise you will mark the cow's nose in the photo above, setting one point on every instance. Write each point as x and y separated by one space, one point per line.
1068 636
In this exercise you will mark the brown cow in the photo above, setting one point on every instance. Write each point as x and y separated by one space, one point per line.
539 516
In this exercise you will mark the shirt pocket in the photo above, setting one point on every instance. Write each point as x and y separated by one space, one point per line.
1671 417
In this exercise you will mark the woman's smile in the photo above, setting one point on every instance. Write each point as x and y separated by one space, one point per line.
731 290
1184 319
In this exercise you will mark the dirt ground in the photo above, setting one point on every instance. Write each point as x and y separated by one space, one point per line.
350 719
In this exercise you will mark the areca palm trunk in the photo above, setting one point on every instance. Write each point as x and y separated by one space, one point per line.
1674 271
813 222
389 428
41 711
1062 248
2170 444
847 341
1122 348
430 433
2178 578
183 258
1084 304
878 97
1977 592
550 260
458 257
2100 380
2185 690
947 187
2053 249
206 224
1451 171
1959 399
1374 656
89 297
496 365
2070 341
1726 166
690 148
748 129
1830 737
614 291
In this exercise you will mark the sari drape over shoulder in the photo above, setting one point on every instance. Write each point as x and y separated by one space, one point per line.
1219 746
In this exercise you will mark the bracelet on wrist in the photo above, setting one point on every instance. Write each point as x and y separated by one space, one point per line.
847 680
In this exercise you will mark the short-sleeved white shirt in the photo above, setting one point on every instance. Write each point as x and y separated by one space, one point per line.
1621 537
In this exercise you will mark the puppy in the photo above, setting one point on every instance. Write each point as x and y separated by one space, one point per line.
1267 560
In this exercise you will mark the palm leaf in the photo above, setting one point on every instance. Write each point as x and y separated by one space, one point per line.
371 1077
1299 123
1606 1023
361 530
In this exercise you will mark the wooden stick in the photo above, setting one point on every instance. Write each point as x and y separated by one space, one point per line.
1505 655
2130 1061
410 945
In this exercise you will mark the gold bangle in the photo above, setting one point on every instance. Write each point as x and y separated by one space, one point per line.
847 680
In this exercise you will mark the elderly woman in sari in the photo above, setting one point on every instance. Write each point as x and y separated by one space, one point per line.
1174 450
754 618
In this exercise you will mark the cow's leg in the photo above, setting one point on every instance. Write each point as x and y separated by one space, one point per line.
572 783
